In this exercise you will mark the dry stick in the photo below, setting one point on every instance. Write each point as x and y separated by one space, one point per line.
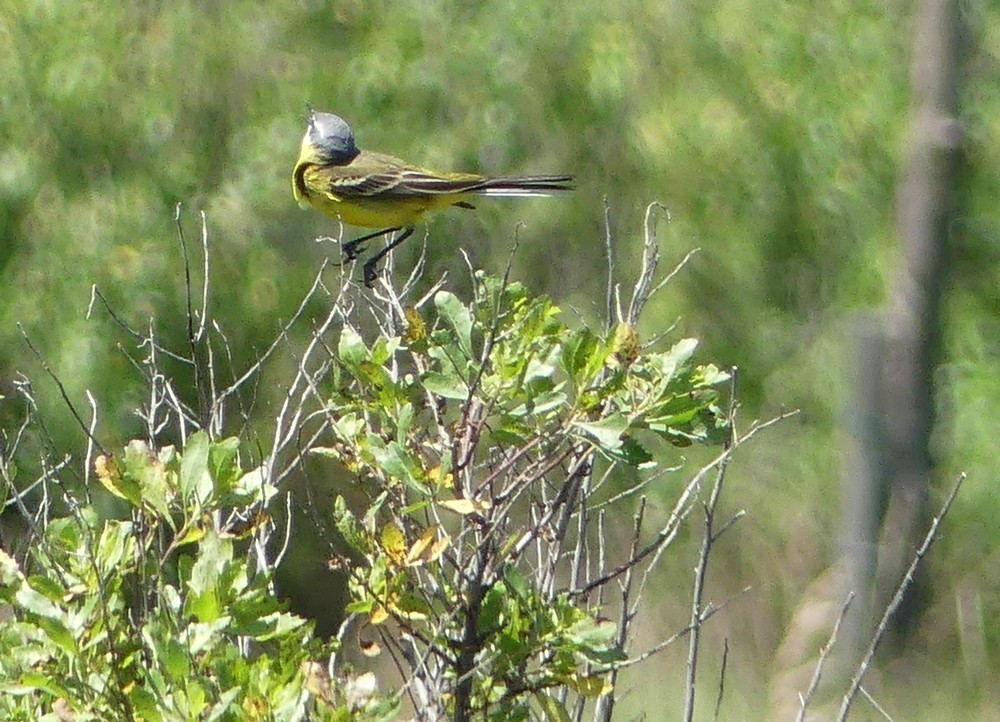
680 509
805 699
281 335
88 459
722 679
629 609
710 611
605 703
142 339
650 261
62 389
206 407
701 571
875 704
897 599
610 257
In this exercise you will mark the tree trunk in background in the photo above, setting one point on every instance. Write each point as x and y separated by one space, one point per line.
896 457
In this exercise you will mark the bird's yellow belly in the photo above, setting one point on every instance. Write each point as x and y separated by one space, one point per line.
379 213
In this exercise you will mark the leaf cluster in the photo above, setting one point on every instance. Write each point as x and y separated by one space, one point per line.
164 616
474 435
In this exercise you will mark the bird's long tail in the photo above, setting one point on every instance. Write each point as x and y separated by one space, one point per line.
537 185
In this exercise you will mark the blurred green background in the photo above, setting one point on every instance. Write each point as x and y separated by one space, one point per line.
770 130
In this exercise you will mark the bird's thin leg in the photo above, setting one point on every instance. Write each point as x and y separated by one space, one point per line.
352 249
370 273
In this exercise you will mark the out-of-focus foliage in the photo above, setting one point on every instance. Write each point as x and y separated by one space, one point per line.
770 130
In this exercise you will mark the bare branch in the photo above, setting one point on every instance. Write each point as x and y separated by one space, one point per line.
876 705
722 679
62 389
897 599
806 698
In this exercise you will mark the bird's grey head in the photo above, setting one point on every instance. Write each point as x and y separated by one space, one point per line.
332 137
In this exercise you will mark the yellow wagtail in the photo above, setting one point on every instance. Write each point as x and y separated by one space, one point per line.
373 190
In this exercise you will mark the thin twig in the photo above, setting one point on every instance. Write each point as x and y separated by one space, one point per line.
609 254
897 599
701 571
722 679
681 507
252 371
806 698
710 611
876 705
142 339
62 389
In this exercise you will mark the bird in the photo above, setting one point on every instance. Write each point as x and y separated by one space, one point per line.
375 190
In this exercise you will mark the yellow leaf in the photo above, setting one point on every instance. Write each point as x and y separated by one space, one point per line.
413 615
394 543
590 687
441 482
108 474
379 615
190 534
317 682
416 329
437 549
465 506
416 553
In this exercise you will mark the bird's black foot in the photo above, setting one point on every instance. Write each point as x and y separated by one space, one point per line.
370 272
352 249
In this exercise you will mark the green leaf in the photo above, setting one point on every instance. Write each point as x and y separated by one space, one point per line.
150 476
59 633
204 636
517 582
709 375
577 352
31 681
383 349
176 661
39 601
607 431
347 525
456 315
223 464
592 633
448 386
552 709
351 348
195 479
676 357
251 488
634 454
223 707
404 419
214 556
146 706
542 403
271 626
111 547
395 462
348 426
